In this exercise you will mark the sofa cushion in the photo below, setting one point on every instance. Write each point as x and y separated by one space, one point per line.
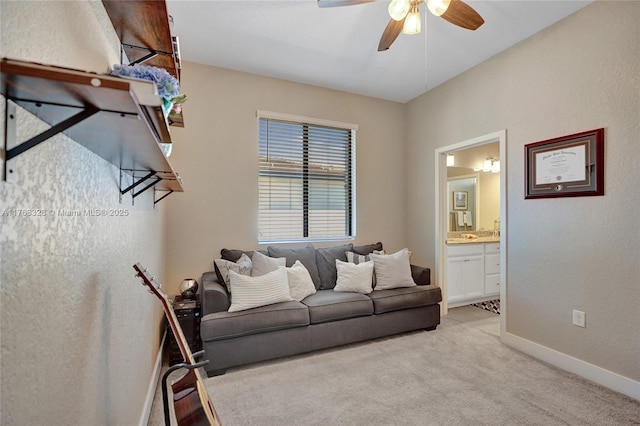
306 255
404 298
328 305
279 316
366 249
252 292
326 262
392 270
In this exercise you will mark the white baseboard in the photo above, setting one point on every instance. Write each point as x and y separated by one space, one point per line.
566 362
151 391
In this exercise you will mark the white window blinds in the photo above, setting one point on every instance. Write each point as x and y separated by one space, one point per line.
305 181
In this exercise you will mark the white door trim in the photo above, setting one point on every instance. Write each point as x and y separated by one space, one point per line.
441 215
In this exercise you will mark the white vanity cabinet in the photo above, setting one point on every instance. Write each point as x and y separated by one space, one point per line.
492 269
465 272
473 273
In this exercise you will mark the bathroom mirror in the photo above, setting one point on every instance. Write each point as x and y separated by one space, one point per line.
462 197
465 174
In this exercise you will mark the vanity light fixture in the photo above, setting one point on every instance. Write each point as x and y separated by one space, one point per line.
451 160
489 165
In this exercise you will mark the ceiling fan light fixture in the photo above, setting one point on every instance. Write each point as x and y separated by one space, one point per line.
438 7
412 24
398 9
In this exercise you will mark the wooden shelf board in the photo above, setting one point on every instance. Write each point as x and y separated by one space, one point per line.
144 23
123 132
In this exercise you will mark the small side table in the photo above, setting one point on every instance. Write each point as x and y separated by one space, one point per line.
188 313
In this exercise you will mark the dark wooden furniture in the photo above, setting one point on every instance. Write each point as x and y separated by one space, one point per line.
144 29
188 313
117 119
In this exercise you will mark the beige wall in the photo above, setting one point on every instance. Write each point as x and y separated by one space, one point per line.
567 253
217 155
79 333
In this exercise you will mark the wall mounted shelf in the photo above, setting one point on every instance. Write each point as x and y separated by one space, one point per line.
144 30
118 119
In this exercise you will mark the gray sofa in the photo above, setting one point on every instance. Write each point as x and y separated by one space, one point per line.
322 320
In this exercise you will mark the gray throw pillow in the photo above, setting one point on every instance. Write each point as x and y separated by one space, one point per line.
306 255
243 266
392 270
326 262
263 264
234 254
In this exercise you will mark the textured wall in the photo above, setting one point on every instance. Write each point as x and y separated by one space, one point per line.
568 253
79 334
217 155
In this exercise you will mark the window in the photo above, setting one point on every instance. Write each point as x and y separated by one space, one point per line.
306 179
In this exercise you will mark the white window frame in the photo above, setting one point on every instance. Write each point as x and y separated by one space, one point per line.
319 122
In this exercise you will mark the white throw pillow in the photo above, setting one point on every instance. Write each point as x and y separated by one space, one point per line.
243 266
353 277
253 292
300 282
359 258
392 270
264 264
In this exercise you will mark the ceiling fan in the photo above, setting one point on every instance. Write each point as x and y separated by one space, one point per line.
405 16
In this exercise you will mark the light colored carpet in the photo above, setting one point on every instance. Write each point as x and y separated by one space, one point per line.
459 374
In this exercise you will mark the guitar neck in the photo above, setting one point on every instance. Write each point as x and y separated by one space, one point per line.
155 288
185 350
192 404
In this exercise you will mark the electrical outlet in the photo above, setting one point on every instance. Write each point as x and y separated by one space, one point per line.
579 318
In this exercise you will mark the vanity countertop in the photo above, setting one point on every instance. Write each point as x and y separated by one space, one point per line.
479 240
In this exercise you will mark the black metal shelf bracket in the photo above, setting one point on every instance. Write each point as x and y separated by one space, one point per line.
157 200
13 148
151 176
151 179
152 54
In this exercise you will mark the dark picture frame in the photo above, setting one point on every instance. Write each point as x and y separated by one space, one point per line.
460 200
568 166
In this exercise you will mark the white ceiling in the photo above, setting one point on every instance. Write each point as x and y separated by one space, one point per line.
337 47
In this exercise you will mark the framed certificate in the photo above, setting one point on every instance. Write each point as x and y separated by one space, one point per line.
569 166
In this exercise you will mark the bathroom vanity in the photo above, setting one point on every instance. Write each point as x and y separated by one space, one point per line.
473 270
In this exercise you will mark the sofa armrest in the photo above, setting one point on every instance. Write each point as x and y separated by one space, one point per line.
421 275
214 295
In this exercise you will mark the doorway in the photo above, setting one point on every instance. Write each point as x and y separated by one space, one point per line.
443 214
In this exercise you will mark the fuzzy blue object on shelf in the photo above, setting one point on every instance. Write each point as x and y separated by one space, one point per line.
168 86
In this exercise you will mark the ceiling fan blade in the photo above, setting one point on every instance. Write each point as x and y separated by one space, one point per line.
337 3
390 34
463 15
